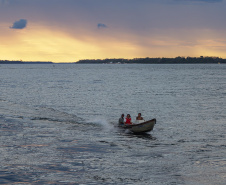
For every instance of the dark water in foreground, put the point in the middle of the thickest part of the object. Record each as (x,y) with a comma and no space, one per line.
(57,124)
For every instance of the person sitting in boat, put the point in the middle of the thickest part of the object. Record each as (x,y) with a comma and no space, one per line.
(128,119)
(121,120)
(139,117)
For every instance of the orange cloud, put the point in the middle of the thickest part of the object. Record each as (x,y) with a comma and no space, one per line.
(40,43)
(43,45)
(46,45)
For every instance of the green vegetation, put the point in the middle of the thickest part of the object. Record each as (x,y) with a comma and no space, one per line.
(21,62)
(177,60)
(10,62)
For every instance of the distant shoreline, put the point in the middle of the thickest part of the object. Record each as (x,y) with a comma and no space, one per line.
(23,62)
(177,60)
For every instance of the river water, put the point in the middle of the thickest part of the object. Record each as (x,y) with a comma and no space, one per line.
(58,124)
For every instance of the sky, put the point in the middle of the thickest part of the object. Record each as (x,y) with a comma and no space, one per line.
(71,30)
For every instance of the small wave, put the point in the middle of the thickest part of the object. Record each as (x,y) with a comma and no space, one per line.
(46,119)
(42,113)
(53,115)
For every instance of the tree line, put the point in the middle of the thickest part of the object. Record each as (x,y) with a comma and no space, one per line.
(177,60)
(21,62)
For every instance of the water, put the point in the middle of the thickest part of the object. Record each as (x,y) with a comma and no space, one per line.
(57,124)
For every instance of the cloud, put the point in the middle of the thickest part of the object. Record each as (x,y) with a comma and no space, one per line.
(4,2)
(21,24)
(210,1)
(101,25)
(207,1)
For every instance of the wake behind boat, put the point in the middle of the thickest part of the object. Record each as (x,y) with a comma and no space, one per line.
(141,126)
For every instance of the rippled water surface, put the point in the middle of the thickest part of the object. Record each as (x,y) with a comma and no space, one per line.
(58,124)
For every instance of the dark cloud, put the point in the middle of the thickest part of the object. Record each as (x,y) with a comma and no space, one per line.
(101,25)
(21,24)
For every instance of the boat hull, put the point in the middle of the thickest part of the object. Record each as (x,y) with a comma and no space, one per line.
(146,126)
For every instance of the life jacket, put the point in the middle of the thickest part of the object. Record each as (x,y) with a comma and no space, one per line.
(128,121)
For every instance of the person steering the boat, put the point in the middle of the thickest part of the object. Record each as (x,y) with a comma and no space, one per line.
(121,120)
(128,119)
(139,117)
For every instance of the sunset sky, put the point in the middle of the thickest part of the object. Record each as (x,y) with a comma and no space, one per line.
(70,30)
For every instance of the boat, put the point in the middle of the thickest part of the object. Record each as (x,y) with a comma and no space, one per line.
(140,126)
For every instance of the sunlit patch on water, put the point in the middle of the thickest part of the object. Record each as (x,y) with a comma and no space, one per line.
(33,145)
